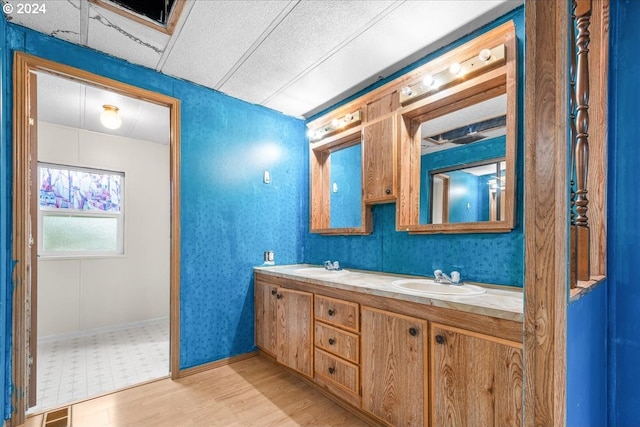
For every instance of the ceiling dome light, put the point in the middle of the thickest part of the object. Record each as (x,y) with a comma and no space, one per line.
(110,118)
(455,68)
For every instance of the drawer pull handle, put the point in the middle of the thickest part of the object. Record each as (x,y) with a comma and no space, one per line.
(332,341)
(413,332)
(331,312)
(331,370)
(388,191)
(440,339)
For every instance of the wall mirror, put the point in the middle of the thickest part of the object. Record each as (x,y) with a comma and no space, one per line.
(337,205)
(458,144)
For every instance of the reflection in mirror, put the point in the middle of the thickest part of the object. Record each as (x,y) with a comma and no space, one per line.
(468,194)
(462,160)
(346,187)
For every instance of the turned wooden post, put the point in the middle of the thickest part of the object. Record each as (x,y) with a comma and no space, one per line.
(583,19)
(572,138)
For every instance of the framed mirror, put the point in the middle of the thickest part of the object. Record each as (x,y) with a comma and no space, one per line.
(337,205)
(458,146)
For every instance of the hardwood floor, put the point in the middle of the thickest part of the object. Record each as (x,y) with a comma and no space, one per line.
(253,392)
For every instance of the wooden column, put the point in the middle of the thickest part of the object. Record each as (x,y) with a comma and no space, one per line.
(547,204)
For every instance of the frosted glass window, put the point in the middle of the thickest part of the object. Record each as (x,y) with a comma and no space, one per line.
(79,233)
(81,211)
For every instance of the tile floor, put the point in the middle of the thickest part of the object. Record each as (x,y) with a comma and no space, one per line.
(71,369)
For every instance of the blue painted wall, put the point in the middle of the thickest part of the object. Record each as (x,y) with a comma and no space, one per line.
(587,360)
(622,214)
(493,258)
(228,216)
(346,173)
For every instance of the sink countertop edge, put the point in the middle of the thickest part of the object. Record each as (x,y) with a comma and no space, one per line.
(498,301)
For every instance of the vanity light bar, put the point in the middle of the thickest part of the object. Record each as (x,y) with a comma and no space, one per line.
(487,58)
(345,121)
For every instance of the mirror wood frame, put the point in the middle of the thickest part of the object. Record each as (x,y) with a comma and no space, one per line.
(320,166)
(478,88)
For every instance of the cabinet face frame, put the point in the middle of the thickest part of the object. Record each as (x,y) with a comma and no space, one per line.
(320,184)
(477,88)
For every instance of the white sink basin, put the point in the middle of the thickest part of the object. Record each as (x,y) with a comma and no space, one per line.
(429,287)
(320,271)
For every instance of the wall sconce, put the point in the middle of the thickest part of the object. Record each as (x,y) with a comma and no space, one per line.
(348,120)
(486,59)
(110,118)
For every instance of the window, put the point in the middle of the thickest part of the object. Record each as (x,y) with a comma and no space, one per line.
(80,211)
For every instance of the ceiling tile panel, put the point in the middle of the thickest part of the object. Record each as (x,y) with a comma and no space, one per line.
(309,34)
(59,100)
(60,19)
(216,35)
(125,38)
(408,33)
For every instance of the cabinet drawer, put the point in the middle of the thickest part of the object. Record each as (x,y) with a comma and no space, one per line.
(337,312)
(337,371)
(338,342)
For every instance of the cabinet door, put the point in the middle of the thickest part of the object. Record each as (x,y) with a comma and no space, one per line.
(266,310)
(379,170)
(295,335)
(477,379)
(393,367)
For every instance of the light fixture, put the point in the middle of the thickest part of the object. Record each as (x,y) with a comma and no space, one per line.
(428,80)
(484,55)
(110,118)
(348,120)
(455,68)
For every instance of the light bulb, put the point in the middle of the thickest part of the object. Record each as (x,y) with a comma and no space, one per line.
(110,118)
(455,68)
(428,80)
(335,123)
(484,55)
(311,134)
(406,91)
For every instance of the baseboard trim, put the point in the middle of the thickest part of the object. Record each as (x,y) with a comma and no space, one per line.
(218,363)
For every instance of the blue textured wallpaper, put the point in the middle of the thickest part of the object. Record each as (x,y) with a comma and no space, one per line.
(587,360)
(228,215)
(493,258)
(623,206)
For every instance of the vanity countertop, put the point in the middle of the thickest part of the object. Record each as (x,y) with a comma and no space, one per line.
(501,302)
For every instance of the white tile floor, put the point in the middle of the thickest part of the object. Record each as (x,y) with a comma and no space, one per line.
(71,369)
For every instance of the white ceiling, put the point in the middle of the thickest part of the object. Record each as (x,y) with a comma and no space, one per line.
(297,57)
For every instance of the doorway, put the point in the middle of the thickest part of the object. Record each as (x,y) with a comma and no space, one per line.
(28,224)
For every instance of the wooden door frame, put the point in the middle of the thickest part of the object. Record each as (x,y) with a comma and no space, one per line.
(23,65)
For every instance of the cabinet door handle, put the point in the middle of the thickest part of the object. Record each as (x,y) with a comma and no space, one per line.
(331,312)
(440,339)
(279,296)
(273,292)
(332,341)
(331,370)
(413,332)
(388,191)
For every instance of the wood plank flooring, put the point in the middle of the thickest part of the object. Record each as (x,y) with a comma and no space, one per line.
(253,392)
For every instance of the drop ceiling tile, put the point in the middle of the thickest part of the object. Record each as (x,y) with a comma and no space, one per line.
(60,19)
(122,37)
(151,124)
(309,35)
(408,33)
(59,100)
(216,35)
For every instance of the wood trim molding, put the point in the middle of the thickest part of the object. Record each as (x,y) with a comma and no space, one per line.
(546,222)
(24,65)
(218,363)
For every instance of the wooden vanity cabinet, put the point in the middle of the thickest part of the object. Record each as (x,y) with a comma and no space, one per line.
(284,325)
(379,150)
(476,379)
(394,354)
(337,347)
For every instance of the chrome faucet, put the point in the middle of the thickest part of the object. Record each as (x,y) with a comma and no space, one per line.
(328,265)
(440,277)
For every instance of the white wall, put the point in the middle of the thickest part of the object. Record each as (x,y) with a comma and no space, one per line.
(80,294)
